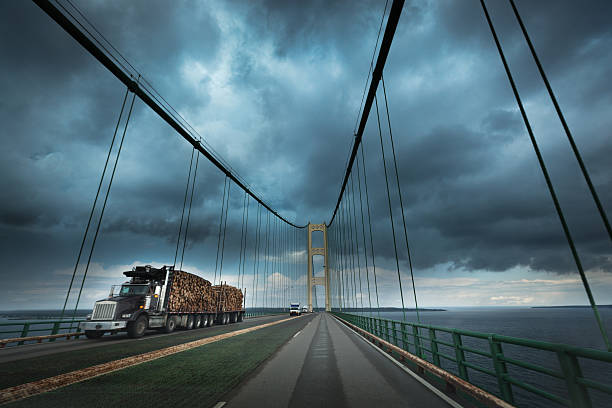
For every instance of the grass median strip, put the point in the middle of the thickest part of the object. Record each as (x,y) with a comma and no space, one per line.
(48,384)
(39,367)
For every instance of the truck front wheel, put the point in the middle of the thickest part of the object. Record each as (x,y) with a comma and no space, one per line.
(137,328)
(93,334)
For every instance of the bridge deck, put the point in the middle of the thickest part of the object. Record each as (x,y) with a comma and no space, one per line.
(326,364)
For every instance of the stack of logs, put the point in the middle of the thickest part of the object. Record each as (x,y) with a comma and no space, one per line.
(190,293)
(229,297)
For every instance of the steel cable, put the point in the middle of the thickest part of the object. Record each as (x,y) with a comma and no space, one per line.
(382,148)
(220,226)
(566,128)
(93,207)
(399,192)
(110,183)
(195,174)
(551,189)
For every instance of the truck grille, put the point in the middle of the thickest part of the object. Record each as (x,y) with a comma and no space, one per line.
(104,310)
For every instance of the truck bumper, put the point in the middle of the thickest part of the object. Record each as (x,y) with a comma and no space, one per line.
(103,325)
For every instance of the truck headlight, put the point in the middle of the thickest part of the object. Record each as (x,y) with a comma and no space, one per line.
(88,317)
(126,315)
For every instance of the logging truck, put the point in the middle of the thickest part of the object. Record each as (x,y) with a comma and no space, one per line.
(164,299)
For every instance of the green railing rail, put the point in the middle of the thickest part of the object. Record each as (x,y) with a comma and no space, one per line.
(34,328)
(447,349)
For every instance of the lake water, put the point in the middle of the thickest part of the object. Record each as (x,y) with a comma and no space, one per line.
(573,326)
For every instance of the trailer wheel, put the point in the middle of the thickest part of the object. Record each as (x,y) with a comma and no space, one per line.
(137,328)
(93,334)
(233,317)
(170,325)
(205,320)
(189,324)
(197,321)
(211,320)
(240,316)
(225,318)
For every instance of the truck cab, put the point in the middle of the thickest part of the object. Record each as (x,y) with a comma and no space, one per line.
(132,306)
(294,309)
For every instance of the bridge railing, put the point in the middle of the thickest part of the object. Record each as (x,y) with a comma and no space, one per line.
(256,313)
(37,328)
(503,365)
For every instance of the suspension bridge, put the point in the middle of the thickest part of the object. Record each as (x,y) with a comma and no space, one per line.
(343,352)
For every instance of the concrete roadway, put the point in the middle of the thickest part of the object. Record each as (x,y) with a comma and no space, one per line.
(328,365)
(13,353)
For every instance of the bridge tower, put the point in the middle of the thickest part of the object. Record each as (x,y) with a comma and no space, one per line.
(318,280)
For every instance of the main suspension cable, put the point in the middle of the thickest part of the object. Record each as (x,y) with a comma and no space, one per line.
(551,189)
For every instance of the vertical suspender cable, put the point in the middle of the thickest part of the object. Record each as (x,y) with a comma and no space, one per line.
(110,183)
(551,189)
(267,258)
(356,238)
(568,133)
(93,207)
(256,258)
(382,148)
(351,242)
(195,174)
(399,192)
(365,183)
(178,238)
(365,247)
(229,189)
(246,237)
(219,233)
(241,240)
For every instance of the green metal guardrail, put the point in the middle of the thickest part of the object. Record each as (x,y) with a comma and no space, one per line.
(250,314)
(425,341)
(25,328)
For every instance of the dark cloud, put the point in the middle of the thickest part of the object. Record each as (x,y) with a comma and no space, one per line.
(275,88)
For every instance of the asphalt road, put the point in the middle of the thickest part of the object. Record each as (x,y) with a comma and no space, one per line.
(59,346)
(328,365)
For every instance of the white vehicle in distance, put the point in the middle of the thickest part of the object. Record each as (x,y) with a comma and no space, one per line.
(294,310)
(305,309)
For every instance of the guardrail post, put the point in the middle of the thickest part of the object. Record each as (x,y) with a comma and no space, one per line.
(434,347)
(404,337)
(55,330)
(460,356)
(393,328)
(501,370)
(578,393)
(387,334)
(417,342)
(24,332)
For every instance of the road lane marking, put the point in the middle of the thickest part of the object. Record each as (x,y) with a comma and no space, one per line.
(296,334)
(48,384)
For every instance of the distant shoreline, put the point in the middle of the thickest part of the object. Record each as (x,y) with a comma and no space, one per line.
(572,307)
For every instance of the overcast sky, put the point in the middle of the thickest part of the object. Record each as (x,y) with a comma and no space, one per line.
(275,88)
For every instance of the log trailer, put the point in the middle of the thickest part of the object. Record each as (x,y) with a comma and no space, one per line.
(142,303)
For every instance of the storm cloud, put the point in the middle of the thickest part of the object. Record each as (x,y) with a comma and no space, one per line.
(274,88)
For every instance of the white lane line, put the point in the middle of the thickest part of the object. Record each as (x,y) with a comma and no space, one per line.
(219,404)
(296,334)
(427,385)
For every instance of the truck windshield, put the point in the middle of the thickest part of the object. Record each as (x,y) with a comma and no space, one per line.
(131,290)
